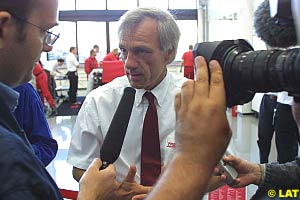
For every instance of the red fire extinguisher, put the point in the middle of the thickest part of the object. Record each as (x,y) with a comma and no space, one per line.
(234,111)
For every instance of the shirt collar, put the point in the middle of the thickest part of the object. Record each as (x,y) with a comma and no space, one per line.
(9,96)
(160,91)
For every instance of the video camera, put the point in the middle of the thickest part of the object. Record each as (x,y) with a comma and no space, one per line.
(246,71)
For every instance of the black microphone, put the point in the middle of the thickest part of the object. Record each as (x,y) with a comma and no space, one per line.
(277,31)
(114,138)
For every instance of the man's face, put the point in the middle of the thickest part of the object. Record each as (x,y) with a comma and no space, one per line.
(115,52)
(145,62)
(96,49)
(74,51)
(19,57)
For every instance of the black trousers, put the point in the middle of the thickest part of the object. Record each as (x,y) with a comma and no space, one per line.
(51,84)
(73,79)
(286,133)
(266,126)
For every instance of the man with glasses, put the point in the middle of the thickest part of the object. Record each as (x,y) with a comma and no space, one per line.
(23,175)
(49,38)
(24,32)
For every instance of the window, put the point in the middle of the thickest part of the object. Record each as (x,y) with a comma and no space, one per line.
(188,29)
(183,4)
(113,35)
(154,3)
(89,34)
(90,4)
(121,4)
(224,9)
(66,5)
(66,40)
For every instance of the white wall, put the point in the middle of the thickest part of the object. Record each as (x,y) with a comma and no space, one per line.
(230,19)
(233,19)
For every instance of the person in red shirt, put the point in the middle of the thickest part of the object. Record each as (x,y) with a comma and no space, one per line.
(114,55)
(41,79)
(91,62)
(188,63)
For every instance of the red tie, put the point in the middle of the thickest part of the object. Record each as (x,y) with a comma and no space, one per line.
(150,154)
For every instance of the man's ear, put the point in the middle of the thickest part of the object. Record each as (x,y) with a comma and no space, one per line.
(169,55)
(5,22)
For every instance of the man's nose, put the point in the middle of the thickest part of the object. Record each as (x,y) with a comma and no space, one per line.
(47,48)
(130,61)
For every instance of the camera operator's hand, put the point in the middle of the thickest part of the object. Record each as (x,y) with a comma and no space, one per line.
(216,181)
(249,173)
(202,135)
(202,131)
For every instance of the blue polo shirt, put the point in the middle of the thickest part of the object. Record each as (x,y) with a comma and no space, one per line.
(30,116)
(22,174)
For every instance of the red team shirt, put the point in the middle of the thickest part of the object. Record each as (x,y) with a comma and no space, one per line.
(110,57)
(89,64)
(188,60)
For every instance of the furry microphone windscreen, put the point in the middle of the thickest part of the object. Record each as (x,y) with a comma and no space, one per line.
(273,31)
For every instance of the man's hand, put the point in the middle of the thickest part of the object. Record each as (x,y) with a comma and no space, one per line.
(202,129)
(96,184)
(202,135)
(248,173)
(129,188)
(216,181)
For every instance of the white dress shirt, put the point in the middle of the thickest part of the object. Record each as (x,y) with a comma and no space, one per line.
(71,62)
(284,98)
(52,66)
(97,112)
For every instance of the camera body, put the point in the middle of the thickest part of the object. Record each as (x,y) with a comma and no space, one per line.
(246,71)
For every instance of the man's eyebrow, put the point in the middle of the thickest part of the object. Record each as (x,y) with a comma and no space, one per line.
(142,48)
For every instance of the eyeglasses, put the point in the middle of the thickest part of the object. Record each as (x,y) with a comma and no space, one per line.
(49,38)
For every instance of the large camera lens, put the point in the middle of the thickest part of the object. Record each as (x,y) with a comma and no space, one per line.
(246,71)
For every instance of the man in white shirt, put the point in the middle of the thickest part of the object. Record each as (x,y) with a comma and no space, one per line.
(99,55)
(51,69)
(146,51)
(72,66)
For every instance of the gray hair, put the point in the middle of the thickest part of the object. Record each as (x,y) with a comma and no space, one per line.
(168,30)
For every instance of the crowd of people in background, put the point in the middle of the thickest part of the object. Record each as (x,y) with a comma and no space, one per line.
(45,77)
(46,73)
